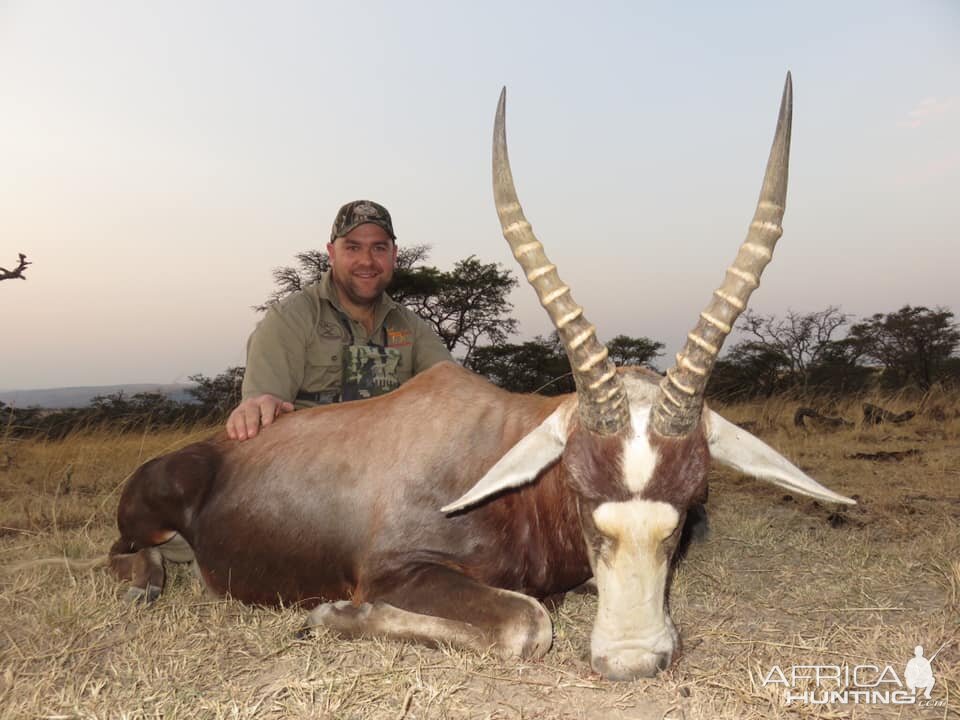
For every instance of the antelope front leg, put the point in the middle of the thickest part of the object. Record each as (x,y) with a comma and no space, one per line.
(439,605)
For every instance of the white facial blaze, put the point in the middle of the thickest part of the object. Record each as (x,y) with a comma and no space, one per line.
(632,626)
(639,457)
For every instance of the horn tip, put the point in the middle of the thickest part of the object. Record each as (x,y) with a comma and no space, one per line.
(499,121)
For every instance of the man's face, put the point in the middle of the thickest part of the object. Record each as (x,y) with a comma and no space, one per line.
(362,263)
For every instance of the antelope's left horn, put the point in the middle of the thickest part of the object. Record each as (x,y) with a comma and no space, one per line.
(603,401)
(680,401)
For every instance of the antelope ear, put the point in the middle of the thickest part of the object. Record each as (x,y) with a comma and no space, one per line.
(522,463)
(736,448)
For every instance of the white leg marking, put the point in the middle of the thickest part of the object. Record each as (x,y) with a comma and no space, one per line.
(176,549)
(511,640)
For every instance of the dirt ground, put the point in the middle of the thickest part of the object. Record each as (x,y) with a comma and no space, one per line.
(783,588)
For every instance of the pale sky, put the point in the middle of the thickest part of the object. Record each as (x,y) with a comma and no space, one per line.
(158,159)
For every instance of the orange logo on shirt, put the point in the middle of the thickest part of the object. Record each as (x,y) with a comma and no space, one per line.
(399,338)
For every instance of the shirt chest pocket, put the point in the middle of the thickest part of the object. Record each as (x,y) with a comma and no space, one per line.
(322,367)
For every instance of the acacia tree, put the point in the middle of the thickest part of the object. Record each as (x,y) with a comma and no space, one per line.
(466,306)
(626,350)
(794,344)
(541,365)
(17,272)
(538,365)
(840,368)
(749,369)
(913,344)
(218,395)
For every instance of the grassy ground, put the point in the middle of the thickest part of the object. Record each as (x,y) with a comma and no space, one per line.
(781,581)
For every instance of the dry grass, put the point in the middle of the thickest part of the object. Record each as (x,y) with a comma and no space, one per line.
(782,581)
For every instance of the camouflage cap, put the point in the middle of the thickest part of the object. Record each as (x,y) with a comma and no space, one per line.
(358,212)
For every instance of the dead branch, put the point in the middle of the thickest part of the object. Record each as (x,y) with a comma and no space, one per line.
(18,273)
(887,456)
(875,415)
(818,420)
(809,418)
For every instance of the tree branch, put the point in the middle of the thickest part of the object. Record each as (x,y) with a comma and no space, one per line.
(18,273)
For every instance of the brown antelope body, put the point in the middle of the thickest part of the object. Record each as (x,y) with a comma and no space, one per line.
(441,511)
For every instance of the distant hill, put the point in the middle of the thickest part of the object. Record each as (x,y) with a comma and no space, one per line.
(78,397)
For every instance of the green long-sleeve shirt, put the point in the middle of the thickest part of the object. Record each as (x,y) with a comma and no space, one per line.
(297,346)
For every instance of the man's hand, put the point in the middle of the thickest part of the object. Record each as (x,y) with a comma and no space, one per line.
(245,420)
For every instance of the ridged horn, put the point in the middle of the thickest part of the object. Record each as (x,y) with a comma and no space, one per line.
(603,401)
(680,402)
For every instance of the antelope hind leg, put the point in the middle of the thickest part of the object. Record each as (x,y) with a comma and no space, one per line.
(440,605)
(144,570)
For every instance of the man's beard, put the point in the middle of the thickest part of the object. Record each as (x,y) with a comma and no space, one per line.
(352,292)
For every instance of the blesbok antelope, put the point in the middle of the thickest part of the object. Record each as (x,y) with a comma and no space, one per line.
(339,508)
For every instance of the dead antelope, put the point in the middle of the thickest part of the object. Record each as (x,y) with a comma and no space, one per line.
(339,508)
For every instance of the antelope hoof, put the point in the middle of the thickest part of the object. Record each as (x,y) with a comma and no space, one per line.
(148,596)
